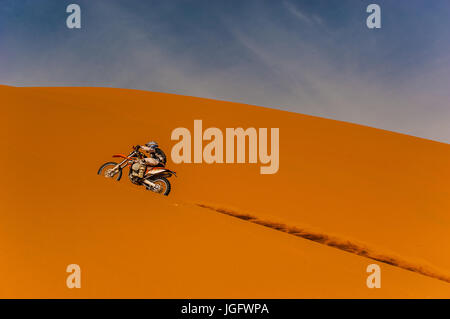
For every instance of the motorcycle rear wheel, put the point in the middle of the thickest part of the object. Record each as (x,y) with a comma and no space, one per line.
(164,186)
(106,171)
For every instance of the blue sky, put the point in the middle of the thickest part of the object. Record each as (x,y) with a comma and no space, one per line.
(314,57)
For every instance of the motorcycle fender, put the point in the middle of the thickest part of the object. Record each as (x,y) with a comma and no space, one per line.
(163,172)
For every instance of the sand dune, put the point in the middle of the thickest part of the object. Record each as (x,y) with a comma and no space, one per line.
(386,190)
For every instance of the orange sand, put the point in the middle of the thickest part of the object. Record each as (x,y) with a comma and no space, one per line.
(386,191)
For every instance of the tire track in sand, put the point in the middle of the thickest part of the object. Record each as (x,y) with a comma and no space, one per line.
(336,242)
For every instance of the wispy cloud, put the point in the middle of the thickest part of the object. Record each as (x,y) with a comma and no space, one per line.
(309,19)
(282,55)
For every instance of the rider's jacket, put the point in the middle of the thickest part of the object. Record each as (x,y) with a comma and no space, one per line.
(151,160)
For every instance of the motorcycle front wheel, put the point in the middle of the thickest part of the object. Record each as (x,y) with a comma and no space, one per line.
(107,170)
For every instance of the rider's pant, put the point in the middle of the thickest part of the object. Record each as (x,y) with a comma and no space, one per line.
(147,161)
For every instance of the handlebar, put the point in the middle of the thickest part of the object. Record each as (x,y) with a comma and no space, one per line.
(136,152)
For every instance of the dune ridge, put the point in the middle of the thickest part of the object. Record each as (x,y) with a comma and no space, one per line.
(353,247)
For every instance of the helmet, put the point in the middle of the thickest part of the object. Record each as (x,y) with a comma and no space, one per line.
(152,145)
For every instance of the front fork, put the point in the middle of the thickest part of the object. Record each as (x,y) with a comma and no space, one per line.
(116,169)
(121,165)
(125,161)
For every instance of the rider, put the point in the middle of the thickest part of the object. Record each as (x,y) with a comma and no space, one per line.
(150,148)
(153,158)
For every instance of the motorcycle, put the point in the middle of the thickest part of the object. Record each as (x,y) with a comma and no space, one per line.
(154,178)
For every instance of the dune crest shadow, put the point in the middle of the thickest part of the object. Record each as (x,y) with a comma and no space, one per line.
(336,242)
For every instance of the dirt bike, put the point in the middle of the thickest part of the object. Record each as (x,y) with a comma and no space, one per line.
(154,178)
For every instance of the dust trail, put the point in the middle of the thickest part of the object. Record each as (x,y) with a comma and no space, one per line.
(336,242)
